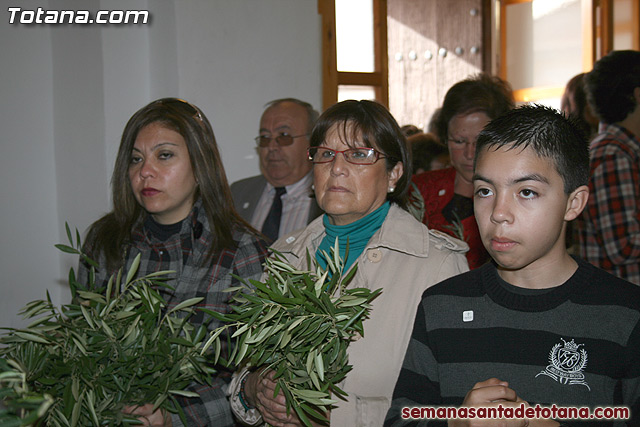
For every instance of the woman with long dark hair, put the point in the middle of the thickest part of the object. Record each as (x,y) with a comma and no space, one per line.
(172,205)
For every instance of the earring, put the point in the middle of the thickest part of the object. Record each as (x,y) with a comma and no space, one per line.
(313,187)
(391,189)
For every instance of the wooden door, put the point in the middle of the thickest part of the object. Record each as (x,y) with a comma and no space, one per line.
(433,44)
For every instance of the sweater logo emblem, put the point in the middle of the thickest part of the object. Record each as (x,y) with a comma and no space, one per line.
(566,364)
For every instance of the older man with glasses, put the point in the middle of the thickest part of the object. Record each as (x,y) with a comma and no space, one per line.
(280,199)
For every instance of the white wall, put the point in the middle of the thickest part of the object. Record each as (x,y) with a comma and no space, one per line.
(28,191)
(235,58)
(67,91)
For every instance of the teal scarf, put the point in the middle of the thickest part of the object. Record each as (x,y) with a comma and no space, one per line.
(358,233)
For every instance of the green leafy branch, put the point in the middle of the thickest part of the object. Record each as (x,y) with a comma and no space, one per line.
(299,324)
(109,348)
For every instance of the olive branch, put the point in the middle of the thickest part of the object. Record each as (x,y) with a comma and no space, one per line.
(80,364)
(299,324)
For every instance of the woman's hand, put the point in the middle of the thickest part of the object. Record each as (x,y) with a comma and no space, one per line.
(148,417)
(259,391)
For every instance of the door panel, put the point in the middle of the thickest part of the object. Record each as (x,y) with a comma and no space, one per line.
(419,34)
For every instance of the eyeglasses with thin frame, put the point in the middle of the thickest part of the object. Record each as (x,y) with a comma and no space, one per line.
(356,156)
(283,139)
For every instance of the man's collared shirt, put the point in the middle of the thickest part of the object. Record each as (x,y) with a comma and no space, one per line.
(296,204)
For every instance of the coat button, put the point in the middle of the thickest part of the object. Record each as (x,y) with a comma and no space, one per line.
(374,255)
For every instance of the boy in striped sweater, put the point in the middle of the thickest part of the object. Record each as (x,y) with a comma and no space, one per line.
(536,326)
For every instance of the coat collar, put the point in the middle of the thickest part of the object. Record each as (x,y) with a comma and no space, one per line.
(400,232)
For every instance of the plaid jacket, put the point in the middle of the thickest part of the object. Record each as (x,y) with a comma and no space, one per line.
(183,252)
(609,227)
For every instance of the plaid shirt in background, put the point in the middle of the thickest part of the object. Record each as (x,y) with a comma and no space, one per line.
(183,252)
(609,227)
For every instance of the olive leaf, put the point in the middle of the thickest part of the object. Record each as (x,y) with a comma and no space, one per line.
(81,363)
(299,324)
(19,406)
(456,227)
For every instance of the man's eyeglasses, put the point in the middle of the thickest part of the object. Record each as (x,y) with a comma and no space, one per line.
(283,139)
(357,156)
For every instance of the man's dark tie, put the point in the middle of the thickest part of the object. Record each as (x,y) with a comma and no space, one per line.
(271,225)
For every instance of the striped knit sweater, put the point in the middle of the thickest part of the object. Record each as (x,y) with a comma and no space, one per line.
(576,344)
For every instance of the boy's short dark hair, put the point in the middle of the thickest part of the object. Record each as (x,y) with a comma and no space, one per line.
(547,132)
(611,83)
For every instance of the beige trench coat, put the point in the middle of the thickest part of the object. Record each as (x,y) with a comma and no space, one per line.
(403,258)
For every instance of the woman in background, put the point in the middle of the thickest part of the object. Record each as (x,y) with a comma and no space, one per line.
(447,194)
(172,205)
